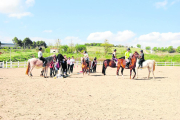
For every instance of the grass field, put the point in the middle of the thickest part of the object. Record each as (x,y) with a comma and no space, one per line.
(93,51)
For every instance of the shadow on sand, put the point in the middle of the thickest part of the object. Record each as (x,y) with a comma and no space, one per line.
(150,78)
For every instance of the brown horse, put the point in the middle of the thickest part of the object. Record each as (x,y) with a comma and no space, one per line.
(132,66)
(34,62)
(107,63)
(84,66)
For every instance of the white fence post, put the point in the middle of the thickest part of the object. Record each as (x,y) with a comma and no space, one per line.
(165,63)
(3,65)
(173,63)
(24,63)
(18,64)
(6,64)
(11,64)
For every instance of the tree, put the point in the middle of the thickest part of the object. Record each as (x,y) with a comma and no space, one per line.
(138,45)
(41,43)
(80,47)
(58,44)
(162,49)
(159,49)
(148,48)
(27,42)
(34,44)
(71,45)
(178,49)
(155,48)
(106,46)
(65,47)
(170,49)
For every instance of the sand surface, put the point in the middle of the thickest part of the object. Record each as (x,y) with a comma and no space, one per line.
(93,97)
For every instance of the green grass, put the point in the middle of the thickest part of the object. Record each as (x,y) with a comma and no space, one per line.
(93,51)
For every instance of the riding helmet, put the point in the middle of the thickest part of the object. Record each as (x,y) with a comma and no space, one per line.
(95,58)
(40,48)
(114,49)
(128,49)
(141,50)
(85,52)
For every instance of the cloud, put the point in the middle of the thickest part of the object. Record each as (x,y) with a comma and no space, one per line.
(159,39)
(113,38)
(20,15)
(30,2)
(47,31)
(16,8)
(175,1)
(161,4)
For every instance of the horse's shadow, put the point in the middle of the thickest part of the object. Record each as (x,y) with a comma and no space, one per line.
(150,78)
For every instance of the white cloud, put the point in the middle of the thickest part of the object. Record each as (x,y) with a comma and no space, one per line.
(159,39)
(30,2)
(175,1)
(161,4)
(20,15)
(16,8)
(47,31)
(123,36)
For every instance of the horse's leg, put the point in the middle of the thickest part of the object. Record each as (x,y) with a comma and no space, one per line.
(137,72)
(130,72)
(31,68)
(117,73)
(122,69)
(89,72)
(153,73)
(149,73)
(134,73)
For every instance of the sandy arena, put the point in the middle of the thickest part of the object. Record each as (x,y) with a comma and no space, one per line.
(94,97)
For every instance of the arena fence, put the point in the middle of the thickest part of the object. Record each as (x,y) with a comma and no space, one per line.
(18,64)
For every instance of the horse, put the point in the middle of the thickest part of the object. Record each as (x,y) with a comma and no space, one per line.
(62,64)
(150,64)
(122,63)
(35,62)
(106,63)
(84,66)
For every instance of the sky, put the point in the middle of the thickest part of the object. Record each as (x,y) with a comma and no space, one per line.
(154,23)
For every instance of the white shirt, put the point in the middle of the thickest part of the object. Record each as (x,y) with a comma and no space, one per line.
(86,56)
(39,54)
(72,61)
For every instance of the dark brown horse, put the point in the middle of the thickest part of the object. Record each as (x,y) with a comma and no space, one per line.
(107,63)
(85,67)
(122,63)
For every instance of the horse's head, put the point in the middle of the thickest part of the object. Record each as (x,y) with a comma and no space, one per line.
(136,55)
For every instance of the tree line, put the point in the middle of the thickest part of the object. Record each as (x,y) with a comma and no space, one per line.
(28,43)
(169,49)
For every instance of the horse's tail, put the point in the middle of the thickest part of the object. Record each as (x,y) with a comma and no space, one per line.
(28,66)
(103,68)
(154,65)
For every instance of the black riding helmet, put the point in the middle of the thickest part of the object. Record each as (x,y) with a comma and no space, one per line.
(95,58)
(40,48)
(128,49)
(141,50)
(114,49)
(85,51)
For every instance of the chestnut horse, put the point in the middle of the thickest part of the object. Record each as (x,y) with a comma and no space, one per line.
(107,63)
(35,62)
(84,66)
(132,66)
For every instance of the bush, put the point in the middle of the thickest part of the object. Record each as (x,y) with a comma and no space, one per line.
(148,48)
(47,50)
(80,47)
(170,49)
(178,49)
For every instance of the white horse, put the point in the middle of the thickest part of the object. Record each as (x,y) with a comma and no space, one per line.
(150,64)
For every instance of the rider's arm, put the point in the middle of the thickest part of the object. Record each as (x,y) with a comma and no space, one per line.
(80,52)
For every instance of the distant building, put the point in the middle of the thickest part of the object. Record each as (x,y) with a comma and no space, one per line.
(7,44)
(54,50)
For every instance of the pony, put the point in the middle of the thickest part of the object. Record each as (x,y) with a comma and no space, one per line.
(122,63)
(62,65)
(150,64)
(106,63)
(84,66)
(35,62)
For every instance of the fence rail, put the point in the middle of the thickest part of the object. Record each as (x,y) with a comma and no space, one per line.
(18,64)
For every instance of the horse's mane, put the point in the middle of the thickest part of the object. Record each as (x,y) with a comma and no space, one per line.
(59,57)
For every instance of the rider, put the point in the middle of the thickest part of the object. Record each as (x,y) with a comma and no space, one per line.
(127,55)
(40,56)
(114,56)
(141,59)
(94,64)
(86,57)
